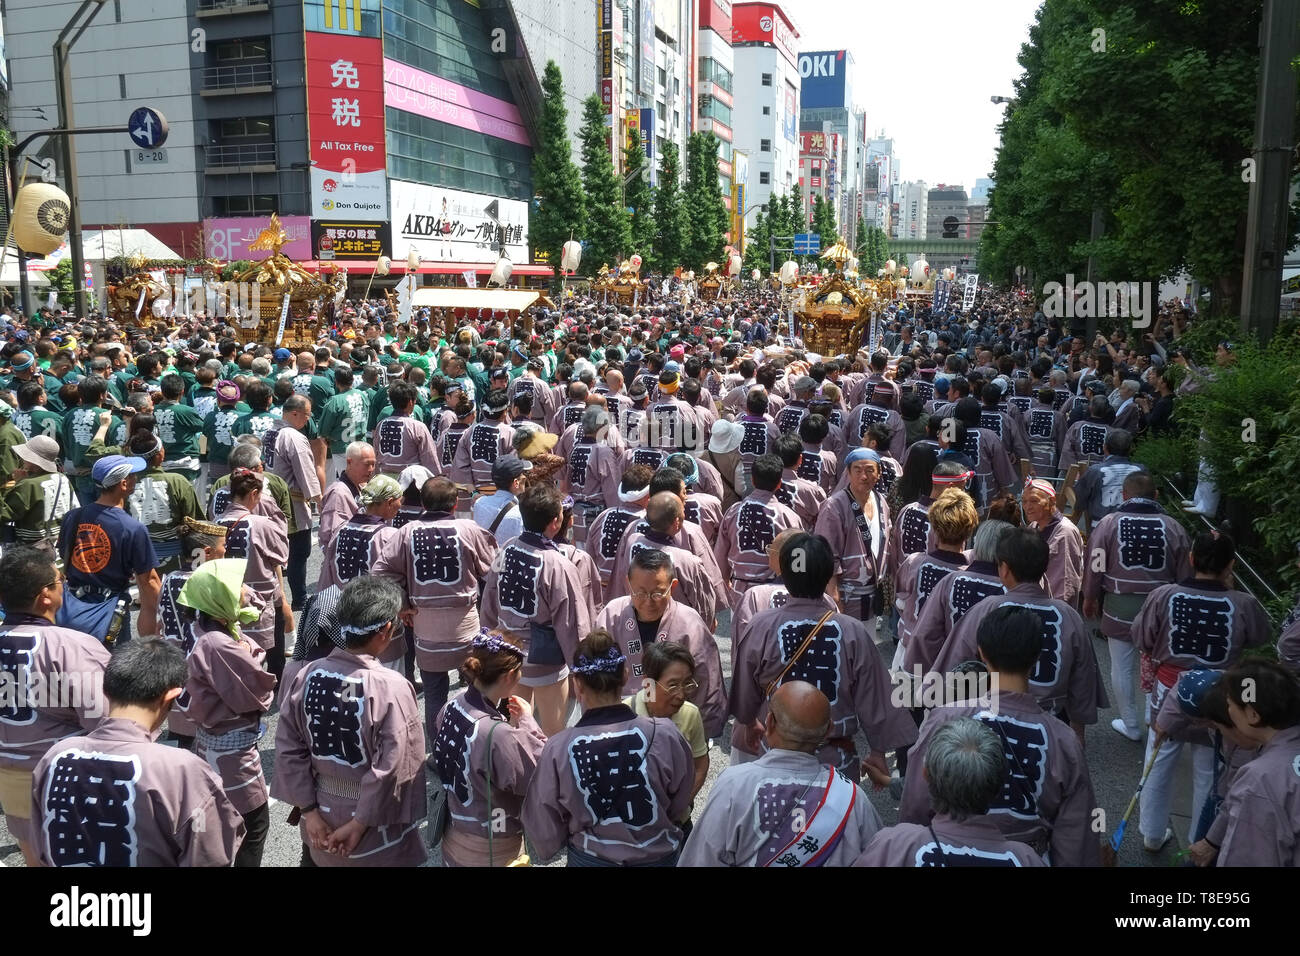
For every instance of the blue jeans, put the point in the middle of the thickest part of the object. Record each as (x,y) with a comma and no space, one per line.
(299,552)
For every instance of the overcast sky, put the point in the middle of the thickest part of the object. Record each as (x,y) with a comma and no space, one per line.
(924,72)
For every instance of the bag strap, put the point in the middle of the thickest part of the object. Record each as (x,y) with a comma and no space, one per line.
(501,516)
(794,658)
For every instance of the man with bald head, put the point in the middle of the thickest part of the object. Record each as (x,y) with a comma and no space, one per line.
(787,808)
(319,388)
(570,413)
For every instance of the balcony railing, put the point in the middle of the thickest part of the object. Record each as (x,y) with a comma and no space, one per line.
(237,76)
(232,6)
(251,154)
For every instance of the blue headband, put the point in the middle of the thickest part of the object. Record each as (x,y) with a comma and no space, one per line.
(611,663)
(19,366)
(861,454)
(485,640)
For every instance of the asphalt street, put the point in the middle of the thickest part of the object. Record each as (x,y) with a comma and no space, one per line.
(1114,763)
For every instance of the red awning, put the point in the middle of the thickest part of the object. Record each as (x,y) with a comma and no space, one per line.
(364,266)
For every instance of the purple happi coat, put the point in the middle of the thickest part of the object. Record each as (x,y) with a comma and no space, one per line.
(350,740)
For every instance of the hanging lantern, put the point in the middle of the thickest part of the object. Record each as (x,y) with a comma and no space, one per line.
(501,272)
(412,260)
(755,275)
(733,266)
(571,255)
(902,271)
(635,263)
(789,271)
(382,265)
(40,218)
(890,267)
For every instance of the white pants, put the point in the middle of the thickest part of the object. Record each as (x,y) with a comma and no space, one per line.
(337,465)
(1157,795)
(1123,663)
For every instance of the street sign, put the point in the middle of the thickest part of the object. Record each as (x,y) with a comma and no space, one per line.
(147,127)
(144,157)
(807,243)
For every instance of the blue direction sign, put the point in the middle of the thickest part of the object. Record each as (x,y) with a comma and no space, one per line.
(147,127)
(807,243)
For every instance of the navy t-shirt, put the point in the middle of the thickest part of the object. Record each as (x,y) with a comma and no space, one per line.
(104,547)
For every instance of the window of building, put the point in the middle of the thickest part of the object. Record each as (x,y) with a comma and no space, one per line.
(663,77)
(677,120)
(230,51)
(765,146)
(244,205)
(677,86)
(767,111)
(766,79)
(247,127)
(764,179)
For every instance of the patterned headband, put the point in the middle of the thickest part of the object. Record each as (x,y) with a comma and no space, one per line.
(362,630)
(485,640)
(611,663)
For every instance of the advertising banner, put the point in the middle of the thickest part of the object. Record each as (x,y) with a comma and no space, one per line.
(228,239)
(447,225)
(345,116)
(333,239)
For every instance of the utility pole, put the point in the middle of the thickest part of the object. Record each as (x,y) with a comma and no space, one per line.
(1266,217)
(63,90)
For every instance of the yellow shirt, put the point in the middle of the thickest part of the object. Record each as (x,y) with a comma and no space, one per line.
(687,720)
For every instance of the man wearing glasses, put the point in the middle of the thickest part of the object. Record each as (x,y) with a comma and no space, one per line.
(649,614)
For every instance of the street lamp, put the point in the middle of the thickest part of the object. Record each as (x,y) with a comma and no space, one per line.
(995,100)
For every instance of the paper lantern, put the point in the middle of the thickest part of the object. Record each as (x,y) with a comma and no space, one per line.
(755,275)
(40,218)
(635,263)
(902,271)
(501,272)
(160,307)
(571,256)
(789,271)
(412,260)
(383,265)
(890,267)
(852,264)
(733,266)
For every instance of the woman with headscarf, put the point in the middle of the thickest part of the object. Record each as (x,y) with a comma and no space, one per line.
(411,482)
(534,445)
(611,787)
(264,543)
(485,750)
(229,690)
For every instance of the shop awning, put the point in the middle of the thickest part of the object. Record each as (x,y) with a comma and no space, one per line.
(500,300)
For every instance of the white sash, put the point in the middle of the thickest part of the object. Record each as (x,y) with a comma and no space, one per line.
(812,845)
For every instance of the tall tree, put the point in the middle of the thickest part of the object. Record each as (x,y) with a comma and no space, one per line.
(670,217)
(560,211)
(863,244)
(608,232)
(757,240)
(639,197)
(705,210)
(824,222)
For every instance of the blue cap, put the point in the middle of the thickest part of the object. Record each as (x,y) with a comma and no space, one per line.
(112,469)
(861,454)
(941,383)
(672,367)
(283,355)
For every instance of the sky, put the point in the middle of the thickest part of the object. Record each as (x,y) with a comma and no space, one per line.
(924,72)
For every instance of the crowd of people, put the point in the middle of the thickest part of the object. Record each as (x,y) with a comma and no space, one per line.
(531,532)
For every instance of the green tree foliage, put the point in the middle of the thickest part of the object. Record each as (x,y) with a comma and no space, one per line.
(608,232)
(670,216)
(706,213)
(560,212)
(1152,129)
(757,240)
(824,222)
(639,197)
(873,250)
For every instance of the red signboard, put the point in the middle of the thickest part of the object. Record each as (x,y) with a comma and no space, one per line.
(716,15)
(345,113)
(764,23)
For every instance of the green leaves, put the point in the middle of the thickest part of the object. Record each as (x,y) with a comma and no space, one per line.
(608,232)
(670,216)
(706,213)
(560,208)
